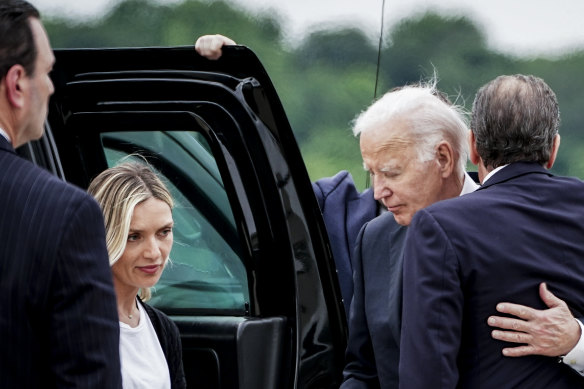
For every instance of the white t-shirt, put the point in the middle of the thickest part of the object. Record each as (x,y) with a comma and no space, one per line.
(143,363)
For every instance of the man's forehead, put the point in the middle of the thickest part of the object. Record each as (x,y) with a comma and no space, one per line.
(386,143)
(390,156)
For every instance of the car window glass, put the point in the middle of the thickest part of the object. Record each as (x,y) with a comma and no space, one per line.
(206,271)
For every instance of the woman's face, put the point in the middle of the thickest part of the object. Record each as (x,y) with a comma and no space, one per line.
(148,246)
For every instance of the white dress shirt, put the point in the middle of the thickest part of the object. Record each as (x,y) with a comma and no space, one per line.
(468,185)
(5,135)
(575,358)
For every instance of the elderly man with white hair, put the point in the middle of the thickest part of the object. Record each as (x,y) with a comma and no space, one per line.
(414,143)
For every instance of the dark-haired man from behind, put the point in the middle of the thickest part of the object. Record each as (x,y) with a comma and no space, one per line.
(58,317)
(463,256)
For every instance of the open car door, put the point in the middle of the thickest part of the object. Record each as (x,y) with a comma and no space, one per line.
(251,283)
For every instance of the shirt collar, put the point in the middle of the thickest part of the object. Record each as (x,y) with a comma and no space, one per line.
(5,135)
(468,185)
(492,173)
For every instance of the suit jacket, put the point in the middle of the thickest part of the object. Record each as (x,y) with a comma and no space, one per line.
(58,317)
(375,316)
(344,210)
(464,255)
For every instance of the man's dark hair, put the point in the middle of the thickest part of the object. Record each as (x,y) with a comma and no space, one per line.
(515,118)
(17,44)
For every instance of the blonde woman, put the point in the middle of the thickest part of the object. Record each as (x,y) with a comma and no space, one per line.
(137,209)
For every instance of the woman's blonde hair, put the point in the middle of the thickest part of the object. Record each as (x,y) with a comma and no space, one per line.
(118,190)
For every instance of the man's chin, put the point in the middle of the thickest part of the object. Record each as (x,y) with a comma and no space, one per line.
(402,220)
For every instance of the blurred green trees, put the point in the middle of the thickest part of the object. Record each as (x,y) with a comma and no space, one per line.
(329,77)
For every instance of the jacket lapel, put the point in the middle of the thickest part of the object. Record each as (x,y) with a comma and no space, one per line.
(396,240)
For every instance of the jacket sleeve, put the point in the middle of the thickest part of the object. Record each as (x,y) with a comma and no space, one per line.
(84,328)
(432,308)
(319,194)
(360,371)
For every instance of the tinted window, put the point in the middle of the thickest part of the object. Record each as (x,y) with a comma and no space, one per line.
(206,271)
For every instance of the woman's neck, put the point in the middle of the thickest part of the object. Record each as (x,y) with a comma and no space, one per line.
(128,311)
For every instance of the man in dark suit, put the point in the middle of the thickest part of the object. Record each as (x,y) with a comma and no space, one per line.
(58,317)
(344,210)
(463,256)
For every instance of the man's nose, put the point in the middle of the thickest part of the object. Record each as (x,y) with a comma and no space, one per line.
(380,189)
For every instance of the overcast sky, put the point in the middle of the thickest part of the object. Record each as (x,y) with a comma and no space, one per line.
(512,26)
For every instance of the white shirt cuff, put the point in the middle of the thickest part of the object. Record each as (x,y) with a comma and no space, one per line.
(575,358)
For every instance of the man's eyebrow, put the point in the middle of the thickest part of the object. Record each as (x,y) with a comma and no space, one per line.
(388,166)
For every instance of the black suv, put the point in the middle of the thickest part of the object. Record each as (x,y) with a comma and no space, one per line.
(252,284)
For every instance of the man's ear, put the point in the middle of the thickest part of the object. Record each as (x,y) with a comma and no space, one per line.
(16,83)
(445,157)
(554,152)
(474,154)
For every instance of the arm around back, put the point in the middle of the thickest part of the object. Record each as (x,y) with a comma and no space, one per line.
(432,299)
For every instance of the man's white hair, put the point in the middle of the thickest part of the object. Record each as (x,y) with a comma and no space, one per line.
(430,115)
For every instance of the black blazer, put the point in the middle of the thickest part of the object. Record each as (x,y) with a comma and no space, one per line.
(375,316)
(463,256)
(58,317)
(344,211)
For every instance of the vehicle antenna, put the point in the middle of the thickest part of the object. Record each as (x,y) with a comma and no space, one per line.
(379,49)
(368,177)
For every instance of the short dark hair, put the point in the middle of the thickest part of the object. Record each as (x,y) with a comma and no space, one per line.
(17,44)
(515,118)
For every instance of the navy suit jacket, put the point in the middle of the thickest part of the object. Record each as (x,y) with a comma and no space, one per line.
(463,256)
(58,318)
(375,316)
(344,210)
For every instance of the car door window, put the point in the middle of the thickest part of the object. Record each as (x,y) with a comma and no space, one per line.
(206,271)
